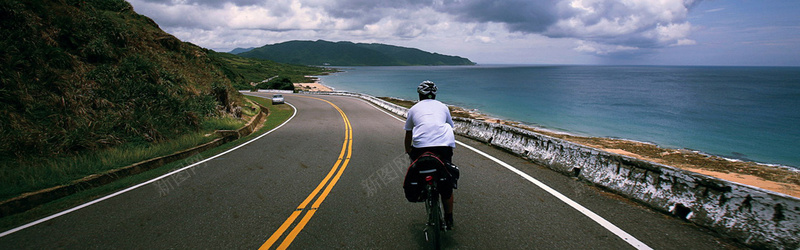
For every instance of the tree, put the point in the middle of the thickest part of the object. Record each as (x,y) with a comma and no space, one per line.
(283,84)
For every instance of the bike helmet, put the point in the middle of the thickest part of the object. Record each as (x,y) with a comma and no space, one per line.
(426,88)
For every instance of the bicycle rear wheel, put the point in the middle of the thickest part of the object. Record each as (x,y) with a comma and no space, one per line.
(435,220)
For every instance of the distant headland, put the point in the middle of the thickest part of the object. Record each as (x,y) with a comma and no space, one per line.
(325,53)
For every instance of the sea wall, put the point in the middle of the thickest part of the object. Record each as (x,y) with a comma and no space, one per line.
(758,218)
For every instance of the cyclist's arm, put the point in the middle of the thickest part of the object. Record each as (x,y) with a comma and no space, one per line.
(449,118)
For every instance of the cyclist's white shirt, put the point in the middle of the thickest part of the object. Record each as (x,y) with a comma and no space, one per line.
(431,124)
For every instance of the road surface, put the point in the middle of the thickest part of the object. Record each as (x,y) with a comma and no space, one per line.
(352,154)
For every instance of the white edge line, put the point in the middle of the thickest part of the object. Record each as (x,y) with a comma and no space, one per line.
(143,183)
(600,220)
(603,222)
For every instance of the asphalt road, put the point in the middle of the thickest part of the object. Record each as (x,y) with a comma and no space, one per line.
(240,199)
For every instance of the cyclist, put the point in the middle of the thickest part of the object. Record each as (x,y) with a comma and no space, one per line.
(429,128)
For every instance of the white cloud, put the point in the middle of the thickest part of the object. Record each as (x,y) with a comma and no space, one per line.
(602,49)
(634,23)
(605,27)
(481,39)
(683,42)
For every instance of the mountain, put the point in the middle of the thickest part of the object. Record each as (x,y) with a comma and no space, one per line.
(237,51)
(350,54)
(84,75)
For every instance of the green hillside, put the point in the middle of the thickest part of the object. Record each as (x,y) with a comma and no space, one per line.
(350,54)
(242,70)
(81,75)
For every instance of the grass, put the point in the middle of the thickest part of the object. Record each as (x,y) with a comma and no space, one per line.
(40,173)
(87,75)
(222,123)
(278,115)
(251,111)
(32,174)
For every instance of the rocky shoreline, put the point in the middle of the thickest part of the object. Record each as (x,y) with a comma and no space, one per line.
(779,179)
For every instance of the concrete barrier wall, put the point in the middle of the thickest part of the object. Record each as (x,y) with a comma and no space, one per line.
(757,217)
(273,91)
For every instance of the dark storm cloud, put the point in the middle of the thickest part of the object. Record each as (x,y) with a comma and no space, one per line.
(518,15)
(366,12)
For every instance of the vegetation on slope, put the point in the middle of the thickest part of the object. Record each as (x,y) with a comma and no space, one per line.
(90,85)
(84,75)
(243,71)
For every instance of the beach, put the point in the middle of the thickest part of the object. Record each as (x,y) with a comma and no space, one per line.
(314,86)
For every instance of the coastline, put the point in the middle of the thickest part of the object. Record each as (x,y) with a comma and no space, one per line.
(777,178)
(781,179)
(313,86)
(616,102)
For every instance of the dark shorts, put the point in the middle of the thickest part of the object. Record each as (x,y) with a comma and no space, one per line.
(445,153)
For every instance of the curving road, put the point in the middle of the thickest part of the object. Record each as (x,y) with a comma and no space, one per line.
(332,178)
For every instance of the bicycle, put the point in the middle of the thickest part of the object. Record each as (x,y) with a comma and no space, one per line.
(433,207)
(421,184)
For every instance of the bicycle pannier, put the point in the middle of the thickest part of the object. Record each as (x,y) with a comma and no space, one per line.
(428,164)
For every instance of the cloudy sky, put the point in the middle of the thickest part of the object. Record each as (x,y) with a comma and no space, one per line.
(649,32)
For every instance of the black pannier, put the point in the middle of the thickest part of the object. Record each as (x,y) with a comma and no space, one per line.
(428,164)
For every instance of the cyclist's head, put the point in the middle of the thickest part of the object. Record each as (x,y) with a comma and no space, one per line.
(426,90)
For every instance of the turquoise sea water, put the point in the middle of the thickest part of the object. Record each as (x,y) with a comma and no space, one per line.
(748,113)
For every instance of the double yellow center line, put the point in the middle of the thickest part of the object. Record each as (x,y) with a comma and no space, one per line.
(327,184)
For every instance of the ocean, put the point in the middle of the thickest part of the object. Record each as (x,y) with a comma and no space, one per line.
(745,113)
